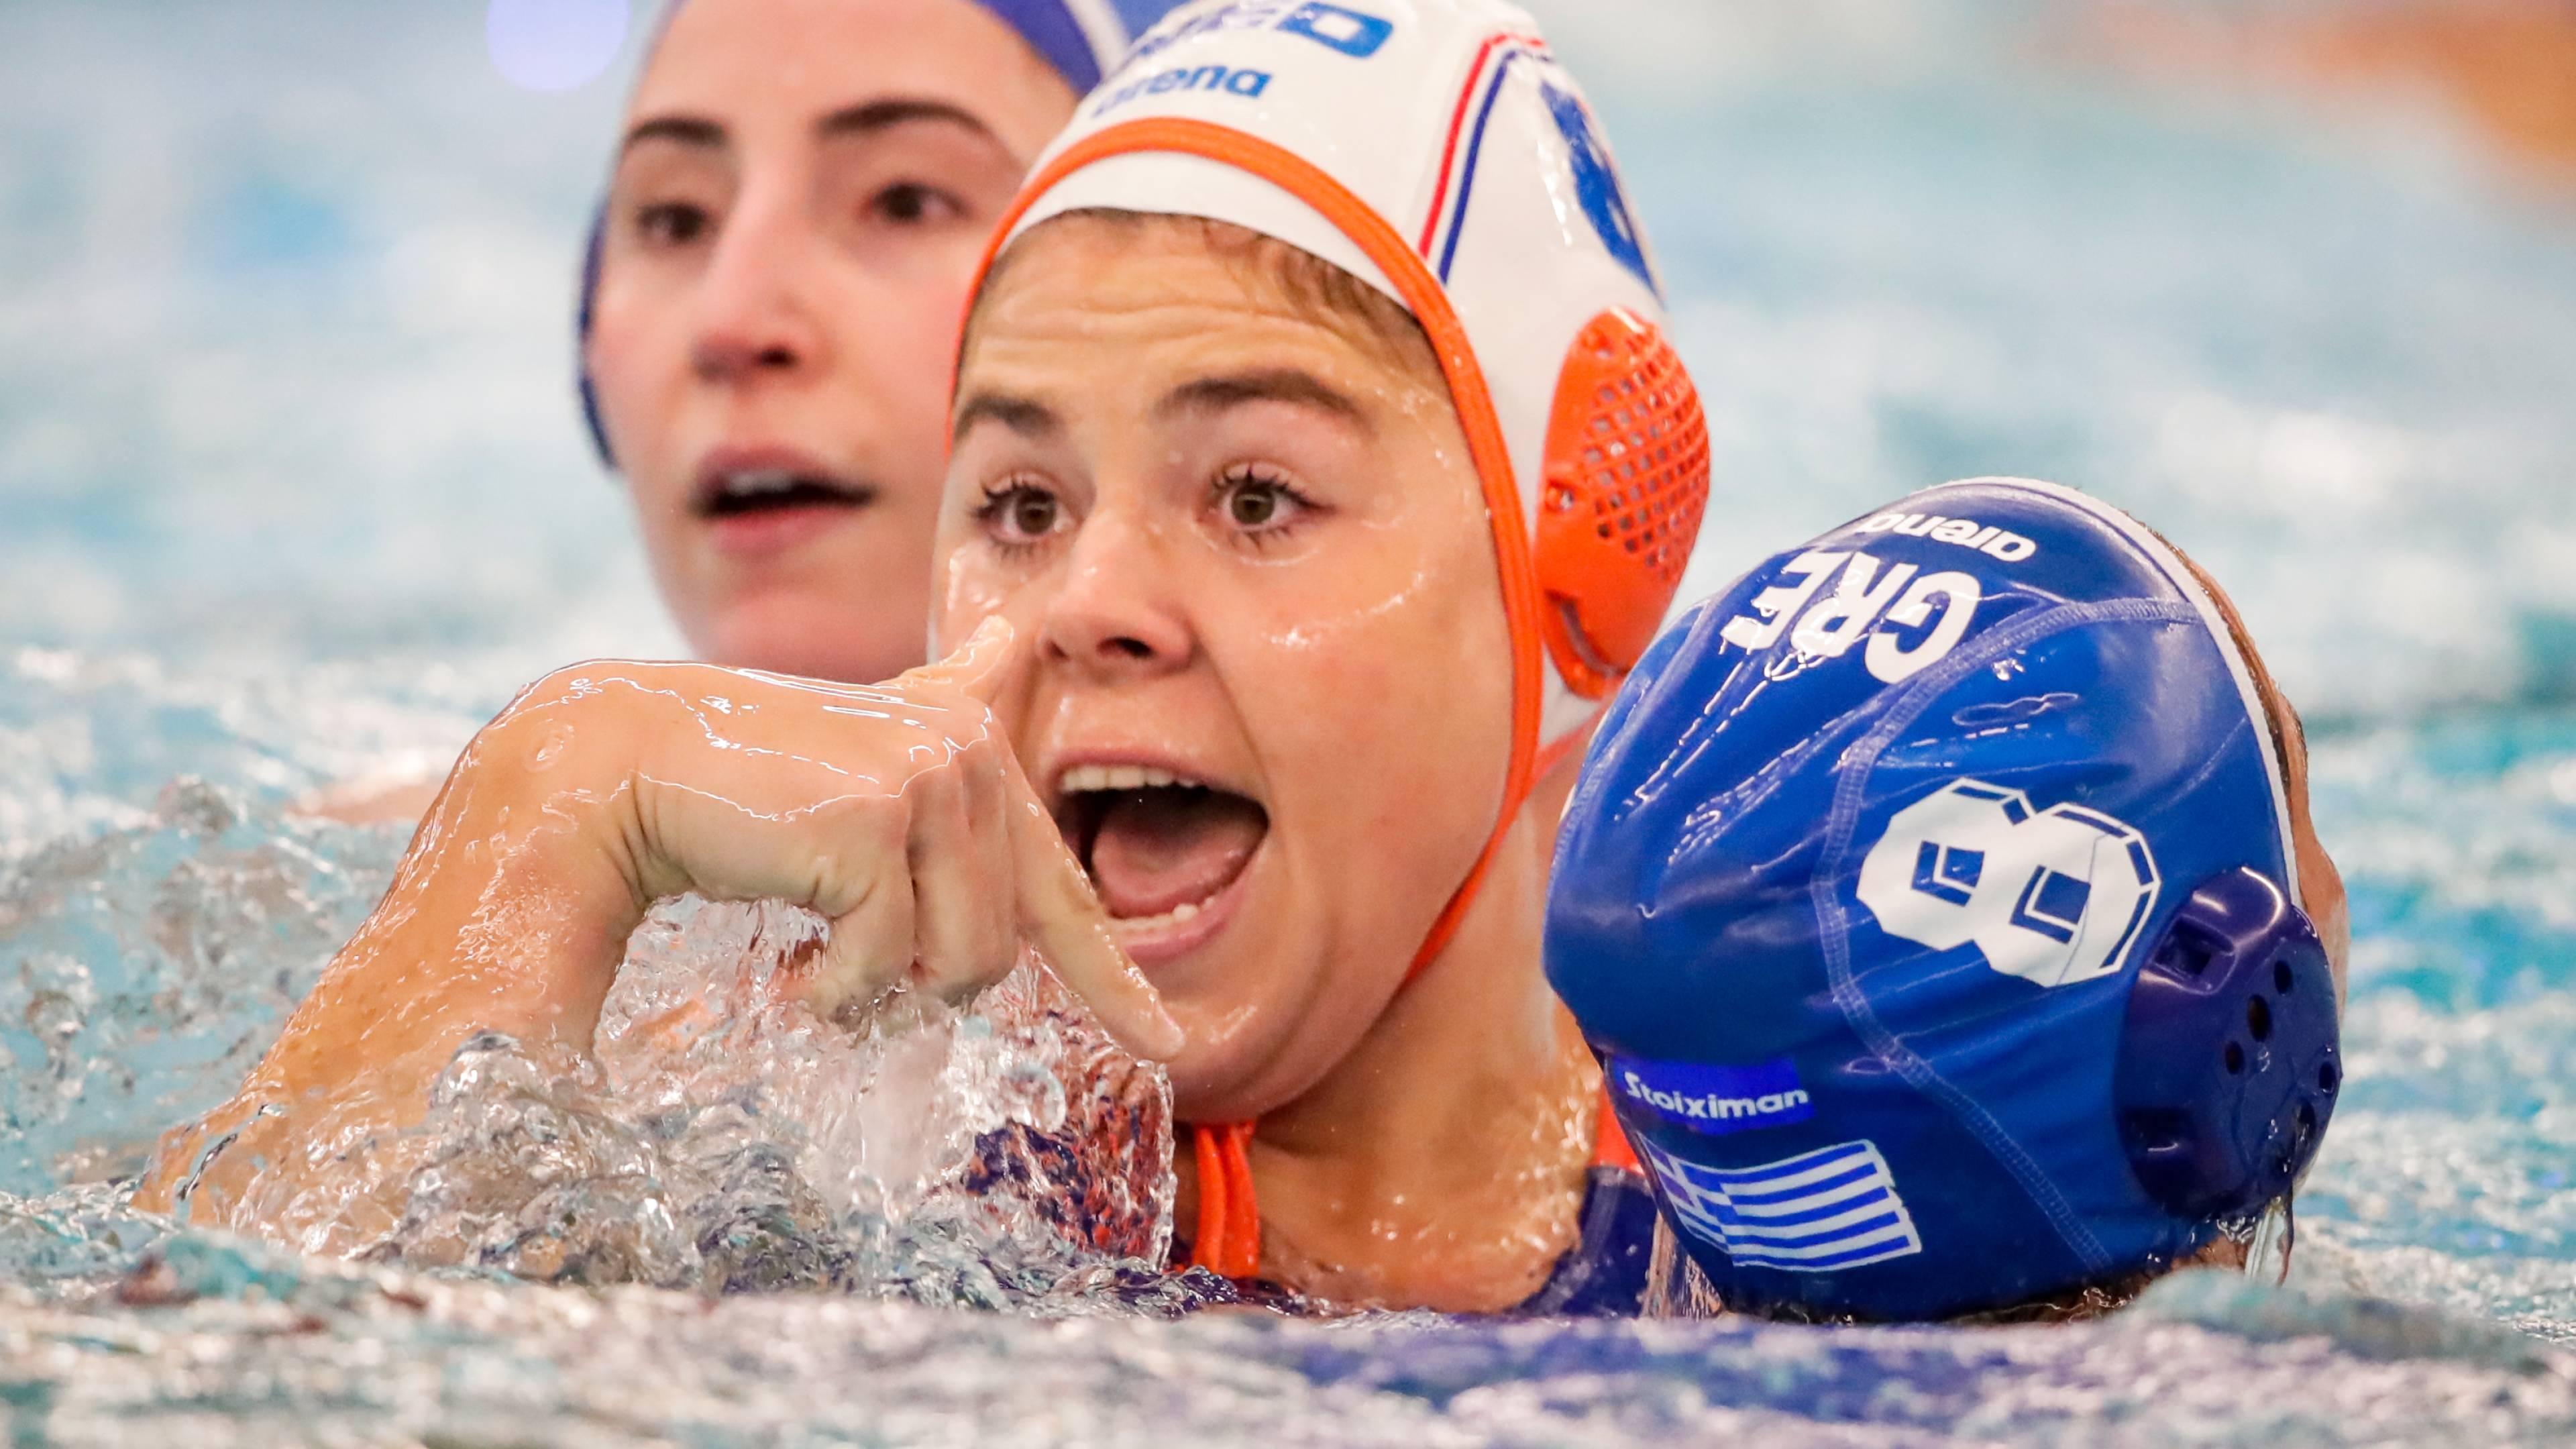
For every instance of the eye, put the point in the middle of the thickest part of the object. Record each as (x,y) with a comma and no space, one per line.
(909,203)
(672,223)
(1019,514)
(1255,501)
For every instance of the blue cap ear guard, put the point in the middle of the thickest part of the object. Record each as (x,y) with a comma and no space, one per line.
(2228,1067)
(1930,899)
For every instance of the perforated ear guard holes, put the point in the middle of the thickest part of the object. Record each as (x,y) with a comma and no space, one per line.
(2229,1067)
(1625,486)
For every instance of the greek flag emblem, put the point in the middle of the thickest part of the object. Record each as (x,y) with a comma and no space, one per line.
(1819,1211)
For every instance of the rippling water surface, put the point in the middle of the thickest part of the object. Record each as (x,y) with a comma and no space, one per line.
(291,493)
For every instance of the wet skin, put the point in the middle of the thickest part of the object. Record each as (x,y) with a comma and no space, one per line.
(1229,543)
(802,192)
(895,810)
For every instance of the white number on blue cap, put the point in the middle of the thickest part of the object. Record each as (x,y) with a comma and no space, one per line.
(2054,896)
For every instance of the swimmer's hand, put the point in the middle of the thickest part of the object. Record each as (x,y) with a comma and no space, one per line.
(897,811)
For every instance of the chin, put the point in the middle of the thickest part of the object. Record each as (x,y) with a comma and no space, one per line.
(1246,1059)
(1214,1079)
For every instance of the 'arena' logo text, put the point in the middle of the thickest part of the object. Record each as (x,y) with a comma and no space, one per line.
(1246,83)
(1965,532)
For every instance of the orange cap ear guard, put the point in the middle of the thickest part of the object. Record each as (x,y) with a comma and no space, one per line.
(1626,484)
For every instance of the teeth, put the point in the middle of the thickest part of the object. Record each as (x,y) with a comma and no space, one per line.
(1177,915)
(1083,779)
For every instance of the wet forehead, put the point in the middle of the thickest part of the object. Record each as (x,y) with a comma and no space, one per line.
(1098,311)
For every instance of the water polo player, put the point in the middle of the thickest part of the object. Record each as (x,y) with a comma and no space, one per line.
(1319,466)
(769,306)
(769,319)
(1944,905)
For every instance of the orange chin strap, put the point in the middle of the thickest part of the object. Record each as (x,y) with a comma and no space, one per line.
(1229,1236)
(1229,1233)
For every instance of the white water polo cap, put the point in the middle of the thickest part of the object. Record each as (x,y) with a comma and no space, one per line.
(1435,150)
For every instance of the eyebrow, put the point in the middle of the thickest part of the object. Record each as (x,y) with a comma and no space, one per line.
(682,130)
(867,119)
(875,116)
(1025,416)
(1241,389)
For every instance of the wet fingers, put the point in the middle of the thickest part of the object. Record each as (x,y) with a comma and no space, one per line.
(961,875)
(870,949)
(1062,917)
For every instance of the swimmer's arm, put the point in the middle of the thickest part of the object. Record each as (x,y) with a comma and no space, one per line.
(897,812)
(508,913)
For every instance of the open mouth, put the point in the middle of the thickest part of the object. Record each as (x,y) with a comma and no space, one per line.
(1161,848)
(751,492)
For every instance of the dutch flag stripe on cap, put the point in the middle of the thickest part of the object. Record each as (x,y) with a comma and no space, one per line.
(1833,1208)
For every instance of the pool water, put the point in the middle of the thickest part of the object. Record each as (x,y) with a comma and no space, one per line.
(291,492)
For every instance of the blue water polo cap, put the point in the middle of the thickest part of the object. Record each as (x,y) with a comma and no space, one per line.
(1931,901)
(1082,39)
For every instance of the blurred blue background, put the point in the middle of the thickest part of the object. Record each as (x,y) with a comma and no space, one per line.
(284,291)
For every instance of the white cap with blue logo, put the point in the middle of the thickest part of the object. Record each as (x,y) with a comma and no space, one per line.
(1436,150)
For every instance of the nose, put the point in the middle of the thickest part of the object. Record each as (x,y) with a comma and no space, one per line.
(754,318)
(1116,615)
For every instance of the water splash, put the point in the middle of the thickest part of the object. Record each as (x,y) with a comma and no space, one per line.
(229,1343)
(724,1139)
(144,970)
